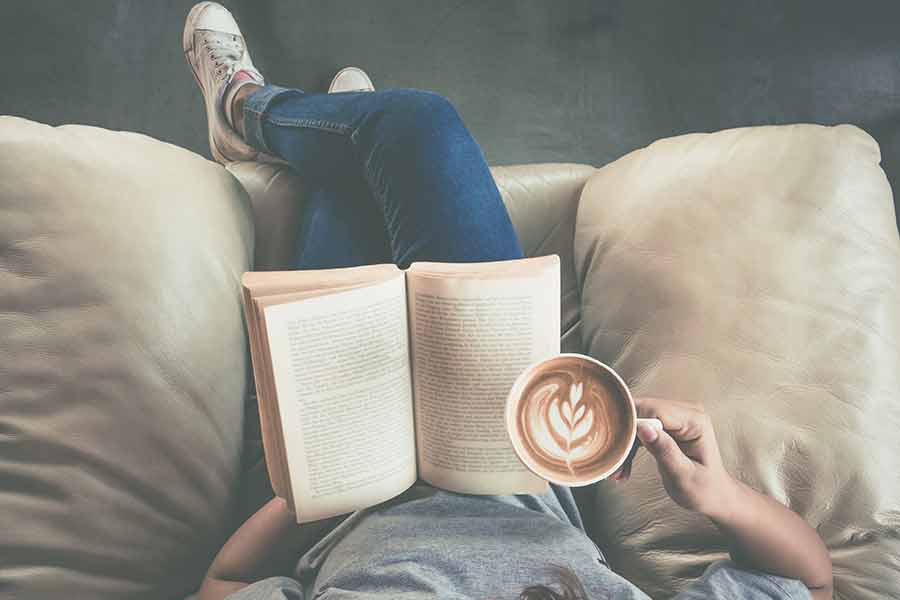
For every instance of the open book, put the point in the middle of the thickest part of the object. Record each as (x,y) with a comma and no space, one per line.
(369,377)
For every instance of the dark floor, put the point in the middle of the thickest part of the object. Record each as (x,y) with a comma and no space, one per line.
(536,80)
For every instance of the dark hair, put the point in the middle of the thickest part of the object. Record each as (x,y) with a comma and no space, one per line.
(566,586)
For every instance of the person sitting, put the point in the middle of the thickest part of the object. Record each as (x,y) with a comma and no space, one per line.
(396,176)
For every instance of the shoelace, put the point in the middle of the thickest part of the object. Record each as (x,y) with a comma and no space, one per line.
(223,47)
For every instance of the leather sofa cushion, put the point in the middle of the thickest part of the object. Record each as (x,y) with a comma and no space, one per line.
(122,362)
(754,271)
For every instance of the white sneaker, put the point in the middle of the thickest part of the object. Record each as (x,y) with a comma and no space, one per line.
(351,79)
(216,51)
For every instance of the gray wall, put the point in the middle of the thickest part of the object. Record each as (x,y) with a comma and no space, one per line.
(548,80)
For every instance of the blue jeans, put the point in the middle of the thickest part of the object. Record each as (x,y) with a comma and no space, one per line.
(395,176)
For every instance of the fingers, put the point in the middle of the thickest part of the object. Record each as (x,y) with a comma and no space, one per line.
(682,421)
(664,449)
(687,427)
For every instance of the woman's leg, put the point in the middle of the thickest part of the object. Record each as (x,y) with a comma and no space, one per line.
(423,171)
(340,227)
(400,161)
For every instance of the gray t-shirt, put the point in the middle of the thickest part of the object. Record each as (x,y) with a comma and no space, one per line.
(430,543)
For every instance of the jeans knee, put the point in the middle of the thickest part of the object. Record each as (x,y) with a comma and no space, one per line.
(418,134)
(424,103)
(421,112)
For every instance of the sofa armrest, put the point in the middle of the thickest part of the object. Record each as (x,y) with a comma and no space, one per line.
(122,362)
(277,195)
(754,271)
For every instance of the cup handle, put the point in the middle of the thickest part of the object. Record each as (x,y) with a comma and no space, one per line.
(654,423)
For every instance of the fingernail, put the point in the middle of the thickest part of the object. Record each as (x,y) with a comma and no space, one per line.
(646,432)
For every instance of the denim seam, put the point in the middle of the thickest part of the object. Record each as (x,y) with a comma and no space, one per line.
(257,106)
(318,124)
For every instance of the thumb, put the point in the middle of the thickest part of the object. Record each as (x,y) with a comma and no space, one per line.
(665,451)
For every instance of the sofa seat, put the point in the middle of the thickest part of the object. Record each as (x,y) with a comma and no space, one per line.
(752,270)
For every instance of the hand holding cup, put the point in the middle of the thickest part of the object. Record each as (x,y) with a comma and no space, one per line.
(686,453)
(572,420)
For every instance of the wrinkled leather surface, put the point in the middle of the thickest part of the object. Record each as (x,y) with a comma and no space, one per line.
(754,271)
(277,195)
(542,201)
(122,362)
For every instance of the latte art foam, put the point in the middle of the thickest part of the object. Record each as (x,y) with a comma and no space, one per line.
(571,419)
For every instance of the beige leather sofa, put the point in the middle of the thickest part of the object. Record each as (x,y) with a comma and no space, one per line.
(756,271)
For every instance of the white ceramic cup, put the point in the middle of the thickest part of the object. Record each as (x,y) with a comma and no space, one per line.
(572,419)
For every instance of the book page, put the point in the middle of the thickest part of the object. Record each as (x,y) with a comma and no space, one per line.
(314,281)
(341,370)
(471,337)
(267,288)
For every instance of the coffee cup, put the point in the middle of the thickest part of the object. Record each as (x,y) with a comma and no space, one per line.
(572,419)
